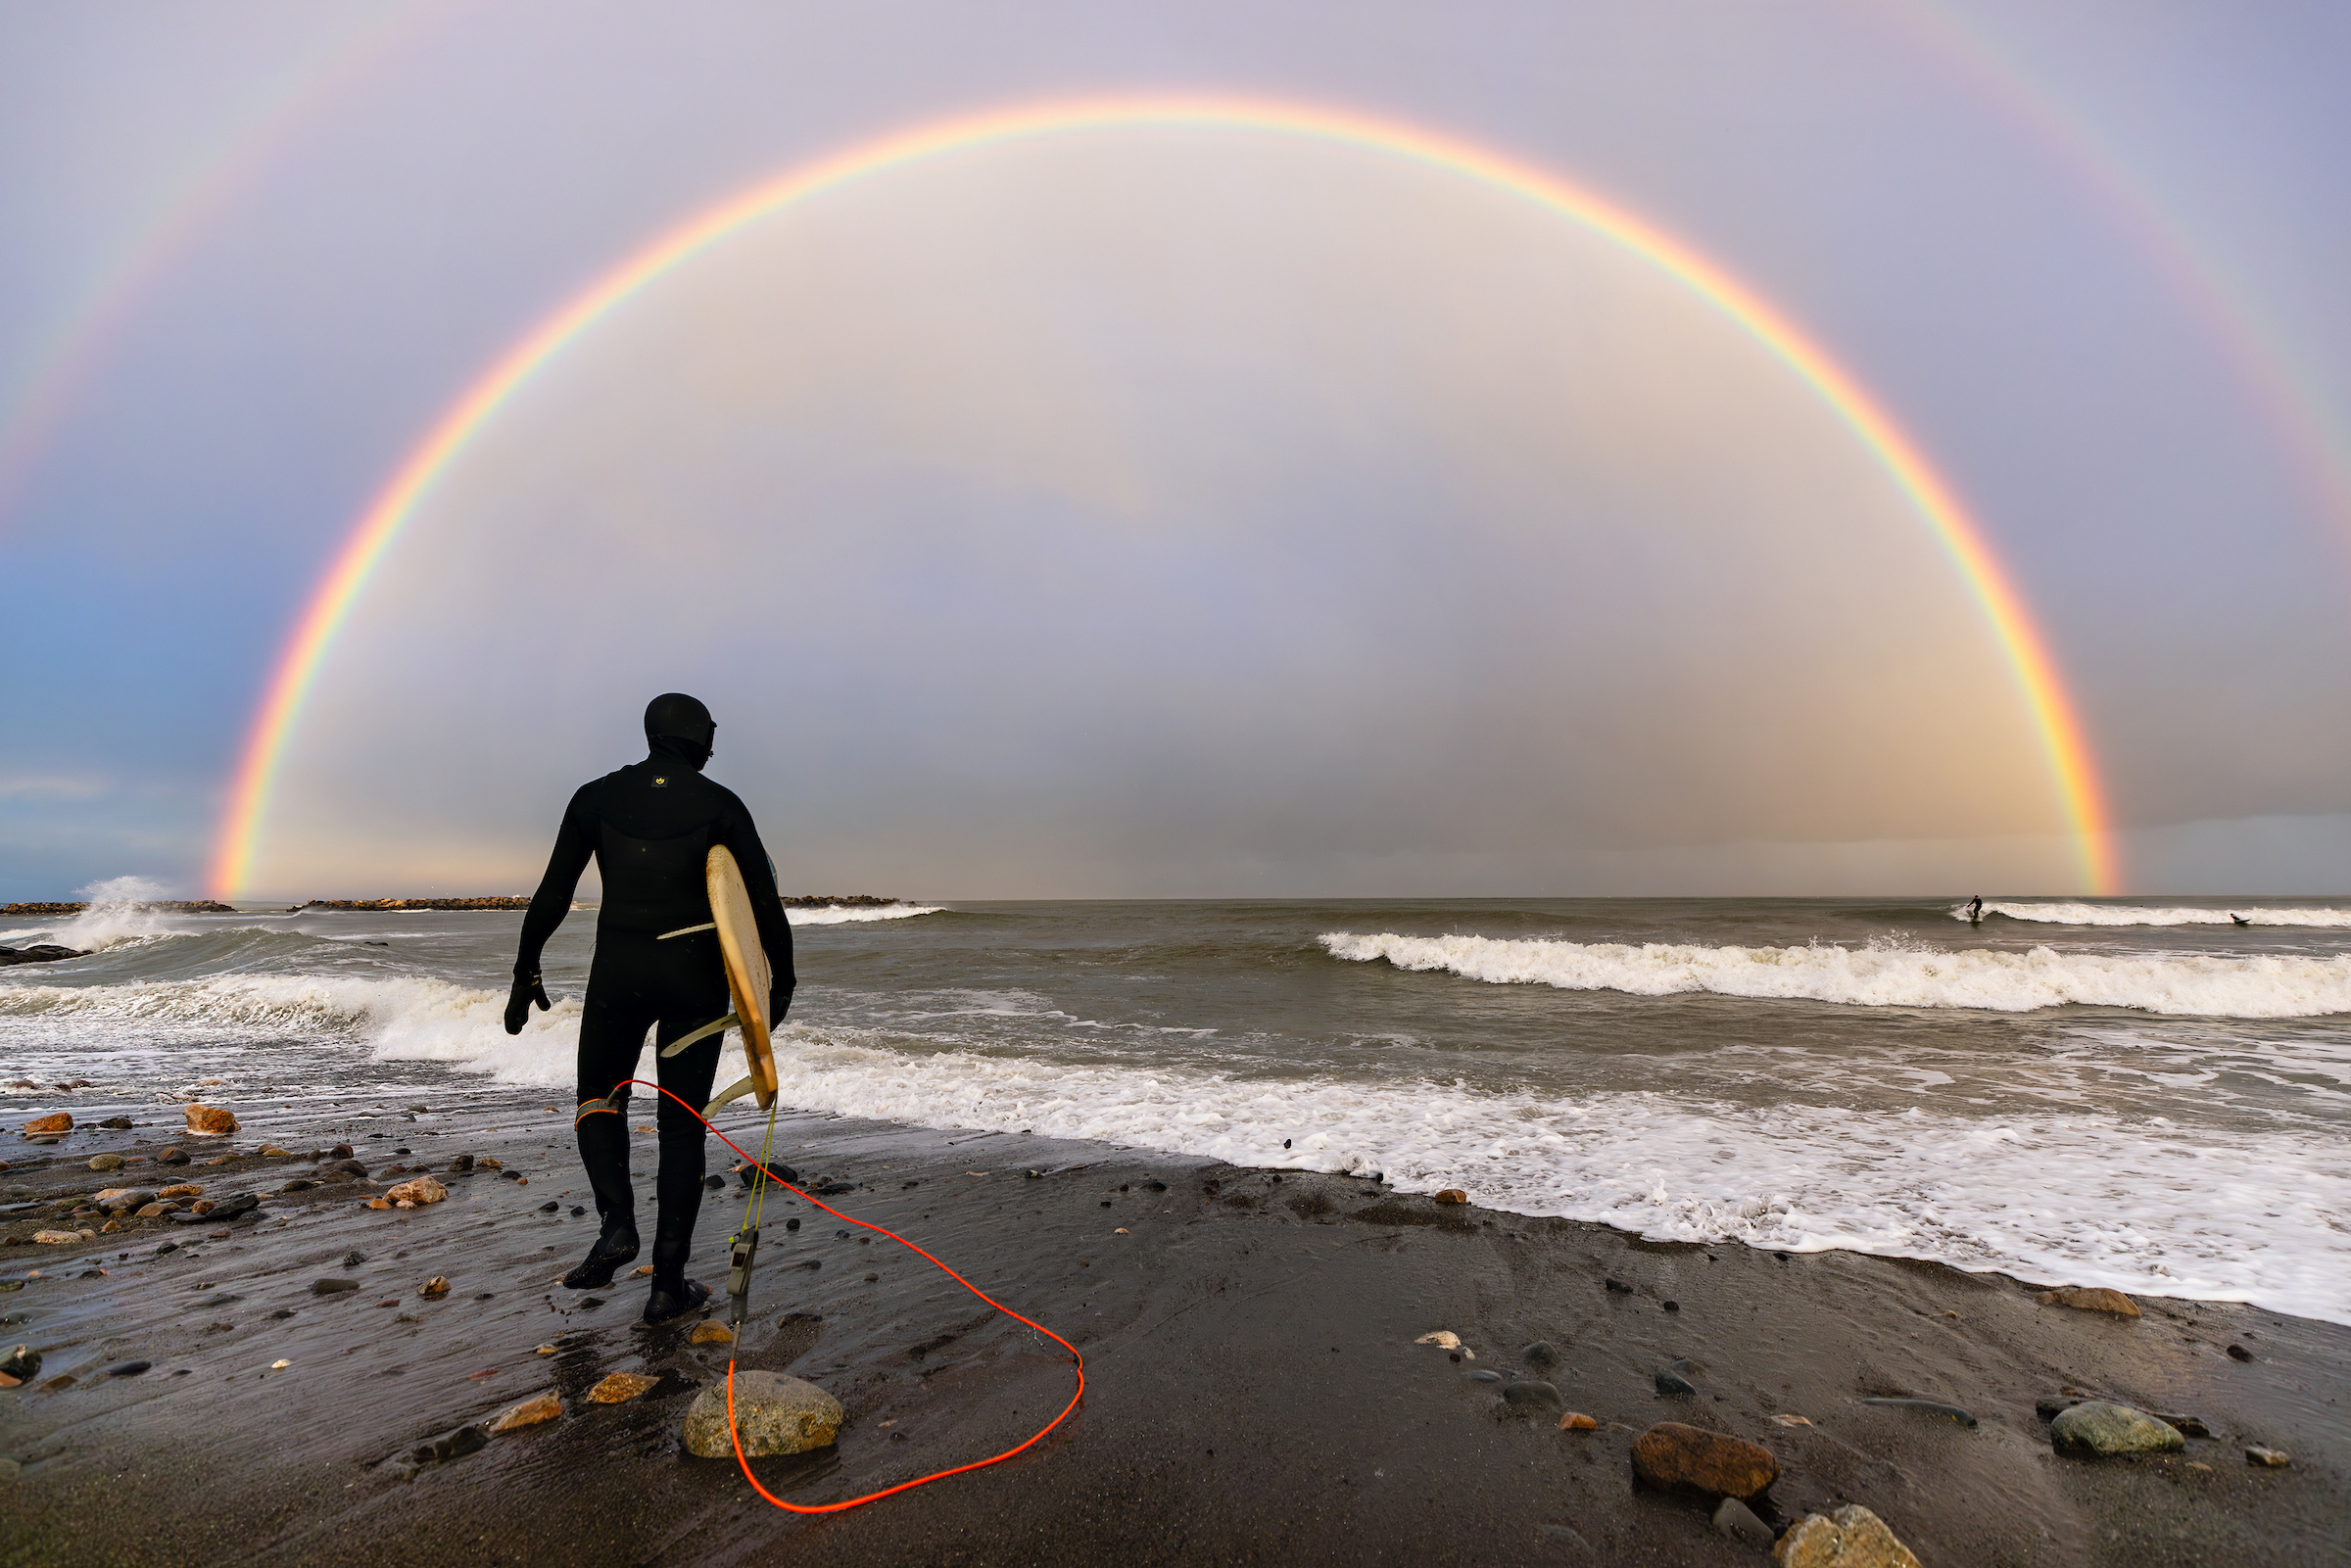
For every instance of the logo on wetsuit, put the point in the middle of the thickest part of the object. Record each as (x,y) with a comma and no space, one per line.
(661,784)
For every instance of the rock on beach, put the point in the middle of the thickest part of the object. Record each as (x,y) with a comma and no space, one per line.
(417,1190)
(620,1388)
(773,1414)
(2092,1299)
(49,1125)
(1672,1456)
(530,1412)
(2097,1427)
(1850,1538)
(207,1121)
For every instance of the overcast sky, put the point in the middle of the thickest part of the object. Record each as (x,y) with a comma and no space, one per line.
(1184,511)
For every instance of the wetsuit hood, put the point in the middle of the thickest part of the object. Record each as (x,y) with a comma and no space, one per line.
(678,726)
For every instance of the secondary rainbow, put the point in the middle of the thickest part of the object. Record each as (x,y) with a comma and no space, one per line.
(313,633)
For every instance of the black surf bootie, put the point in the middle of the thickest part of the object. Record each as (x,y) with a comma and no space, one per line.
(674,1300)
(614,1251)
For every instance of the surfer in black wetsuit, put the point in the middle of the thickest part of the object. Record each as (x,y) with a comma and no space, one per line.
(650,827)
(1974,910)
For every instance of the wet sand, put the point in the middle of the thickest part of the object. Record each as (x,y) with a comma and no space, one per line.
(1254,1393)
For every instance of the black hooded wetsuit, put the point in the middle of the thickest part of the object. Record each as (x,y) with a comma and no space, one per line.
(650,827)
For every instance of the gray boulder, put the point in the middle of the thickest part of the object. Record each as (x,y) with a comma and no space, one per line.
(773,1414)
(2097,1427)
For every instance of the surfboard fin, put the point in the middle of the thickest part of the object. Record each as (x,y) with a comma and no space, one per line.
(736,1092)
(730,1021)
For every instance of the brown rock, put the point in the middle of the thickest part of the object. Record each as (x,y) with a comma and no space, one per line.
(158,1206)
(1671,1455)
(110,1227)
(1577,1421)
(530,1412)
(208,1121)
(1850,1538)
(1452,1195)
(2092,1299)
(620,1388)
(202,1205)
(49,1125)
(185,1189)
(55,1238)
(273,1152)
(376,1203)
(417,1190)
(710,1334)
(2272,1458)
(433,1289)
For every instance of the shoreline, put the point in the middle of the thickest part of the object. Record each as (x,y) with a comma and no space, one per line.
(1270,1321)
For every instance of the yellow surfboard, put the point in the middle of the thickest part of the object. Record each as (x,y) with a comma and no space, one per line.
(748,973)
(747,978)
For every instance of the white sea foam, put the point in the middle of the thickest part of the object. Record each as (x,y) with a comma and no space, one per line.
(1887,975)
(847,914)
(2071,913)
(2056,1194)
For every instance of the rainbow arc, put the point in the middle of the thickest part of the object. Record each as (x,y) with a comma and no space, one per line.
(1963,542)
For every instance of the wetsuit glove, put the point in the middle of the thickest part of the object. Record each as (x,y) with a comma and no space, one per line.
(779,1001)
(528,988)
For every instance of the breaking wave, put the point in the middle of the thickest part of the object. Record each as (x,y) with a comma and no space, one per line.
(2074,913)
(1887,975)
(2063,1193)
(847,914)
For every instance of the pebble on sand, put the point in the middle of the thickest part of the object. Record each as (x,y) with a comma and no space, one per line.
(1540,1354)
(181,1189)
(1850,1538)
(1443,1338)
(434,1288)
(1673,1457)
(1788,1418)
(1577,1421)
(2097,1427)
(620,1388)
(333,1287)
(2094,1299)
(106,1161)
(417,1190)
(55,1238)
(209,1120)
(773,1414)
(1452,1195)
(378,1203)
(530,1412)
(2272,1458)
(49,1125)
(710,1334)
(1738,1521)
(271,1150)
(1531,1393)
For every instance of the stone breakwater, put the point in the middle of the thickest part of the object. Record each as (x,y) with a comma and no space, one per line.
(840,901)
(172,905)
(502,902)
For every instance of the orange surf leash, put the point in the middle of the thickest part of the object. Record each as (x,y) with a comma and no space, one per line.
(919,1481)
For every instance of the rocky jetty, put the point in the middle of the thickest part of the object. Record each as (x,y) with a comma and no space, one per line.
(502,902)
(840,901)
(168,906)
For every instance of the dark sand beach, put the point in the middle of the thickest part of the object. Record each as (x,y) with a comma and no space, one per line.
(1254,1392)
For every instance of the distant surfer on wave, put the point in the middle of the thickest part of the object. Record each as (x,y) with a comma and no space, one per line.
(1974,910)
(650,827)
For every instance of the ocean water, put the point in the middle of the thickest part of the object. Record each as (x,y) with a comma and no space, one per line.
(2142,1095)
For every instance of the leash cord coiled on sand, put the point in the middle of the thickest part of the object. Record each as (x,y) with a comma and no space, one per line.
(758,1198)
